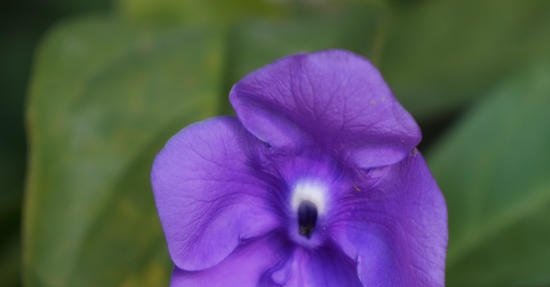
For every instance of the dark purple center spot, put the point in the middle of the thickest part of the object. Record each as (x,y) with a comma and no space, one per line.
(307,218)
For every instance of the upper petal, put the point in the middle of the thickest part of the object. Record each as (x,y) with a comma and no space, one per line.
(395,226)
(332,98)
(208,192)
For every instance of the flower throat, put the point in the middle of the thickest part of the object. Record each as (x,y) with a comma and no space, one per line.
(307,218)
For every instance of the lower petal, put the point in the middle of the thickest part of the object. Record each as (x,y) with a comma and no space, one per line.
(247,266)
(322,267)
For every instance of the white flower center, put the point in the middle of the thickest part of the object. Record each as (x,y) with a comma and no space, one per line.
(310,190)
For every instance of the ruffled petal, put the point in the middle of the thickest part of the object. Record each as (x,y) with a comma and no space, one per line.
(208,192)
(334,99)
(395,226)
(322,267)
(247,266)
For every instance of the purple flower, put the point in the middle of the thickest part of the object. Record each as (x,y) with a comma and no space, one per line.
(316,182)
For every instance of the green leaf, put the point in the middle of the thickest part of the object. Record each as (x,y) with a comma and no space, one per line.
(441,55)
(104,99)
(253,44)
(190,11)
(494,171)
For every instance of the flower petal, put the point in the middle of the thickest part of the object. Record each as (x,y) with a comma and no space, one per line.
(322,267)
(208,192)
(395,226)
(247,266)
(334,99)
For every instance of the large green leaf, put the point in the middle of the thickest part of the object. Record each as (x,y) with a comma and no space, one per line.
(494,170)
(104,99)
(440,55)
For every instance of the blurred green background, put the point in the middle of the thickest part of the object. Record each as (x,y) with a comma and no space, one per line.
(91,90)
